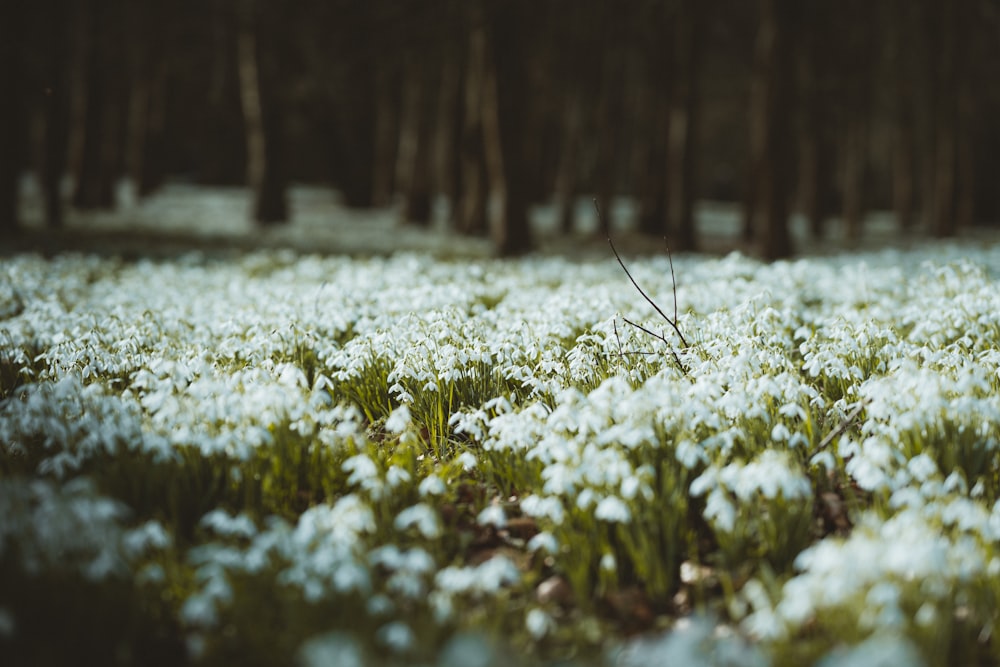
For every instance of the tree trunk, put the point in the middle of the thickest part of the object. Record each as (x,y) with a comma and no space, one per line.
(568,170)
(447,133)
(54,145)
(652,176)
(471,205)
(386,134)
(261,117)
(502,118)
(609,121)
(683,128)
(855,168)
(770,119)
(815,146)
(97,116)
(413,158)
(857,68)
(12,119)
(903,121)
(945,74)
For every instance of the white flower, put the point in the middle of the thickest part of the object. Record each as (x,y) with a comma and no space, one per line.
(538,623)
(549,507)
(398,420)
(544,541)
(613,509)
(432,485)
(879,650)
(361,467)
(467,460)
(397,636)
(492,515)
(421,515)
(222,524)
(332,648)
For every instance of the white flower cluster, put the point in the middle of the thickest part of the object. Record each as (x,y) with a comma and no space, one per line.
(71,528)
(529,374)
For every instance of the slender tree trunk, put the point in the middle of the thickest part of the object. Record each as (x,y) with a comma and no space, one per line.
(857,68)
(151,173)
(147,62)
(262,119)
(98,108)
(447,134)
(386,134)
(815,147)
(855,170)
(223,135)
(965,158)
(413,161)
(471,207)
(568,170)
(771,116)
(903,120)
(55,111)
(502,119)
(652,176)
(683,128)
(609,121)
(966,102)
(12,119)
(945,75)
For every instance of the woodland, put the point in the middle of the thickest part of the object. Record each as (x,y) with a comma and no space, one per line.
(829,109)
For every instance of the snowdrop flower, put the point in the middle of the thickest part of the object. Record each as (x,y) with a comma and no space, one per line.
(486,577)
(150,535)
(333,648)
(538,623)
(608,562)
(421,515)
(398,420)
(879,650)
(432,485)
(692,641)
(492,515)
(613,509)
(543,541)
(222,524)
(396,476)
(549,507)
(363,471)
(467,460)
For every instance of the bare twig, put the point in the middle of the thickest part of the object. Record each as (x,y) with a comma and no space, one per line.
(844,424)
(673,283)
(617,338)
(671,322)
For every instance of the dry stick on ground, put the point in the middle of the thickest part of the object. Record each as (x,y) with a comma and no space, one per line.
(671,322)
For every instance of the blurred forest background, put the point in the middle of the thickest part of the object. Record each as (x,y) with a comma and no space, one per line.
(828,108)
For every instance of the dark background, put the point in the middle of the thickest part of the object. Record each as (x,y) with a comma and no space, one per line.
(830,108)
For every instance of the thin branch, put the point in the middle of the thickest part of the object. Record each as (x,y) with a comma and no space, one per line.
(661,337)
(632,353)
(644,295)
(844,424)
(621,355)
(673,283)
(671,322)
(646,331)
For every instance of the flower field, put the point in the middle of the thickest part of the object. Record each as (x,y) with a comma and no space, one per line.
(278,458)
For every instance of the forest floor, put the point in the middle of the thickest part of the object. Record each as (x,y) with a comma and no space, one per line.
(182,218)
